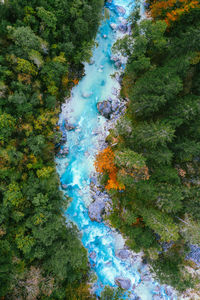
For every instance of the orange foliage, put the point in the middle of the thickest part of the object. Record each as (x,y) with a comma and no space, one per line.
(24,78)
(181,172)
(105,163)
(171,10)
(75,81)
(138,221)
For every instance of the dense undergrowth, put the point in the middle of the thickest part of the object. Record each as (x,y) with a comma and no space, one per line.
(155,148)
(42,45)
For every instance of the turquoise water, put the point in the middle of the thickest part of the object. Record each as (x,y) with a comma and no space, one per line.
(77,168)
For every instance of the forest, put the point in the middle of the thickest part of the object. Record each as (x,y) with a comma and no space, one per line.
(42,46)
(151,166)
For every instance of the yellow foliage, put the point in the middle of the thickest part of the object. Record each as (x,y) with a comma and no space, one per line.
(24,66)
(33,158)
(39,219)
(65,80)
(52,89)
(61,58)
(46,118)
(28,128)
(45,172)
(195,59)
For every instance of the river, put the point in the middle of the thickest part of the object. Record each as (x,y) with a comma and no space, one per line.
(76,170)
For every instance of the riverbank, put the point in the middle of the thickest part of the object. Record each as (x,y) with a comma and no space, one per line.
(156,207)
(112,263)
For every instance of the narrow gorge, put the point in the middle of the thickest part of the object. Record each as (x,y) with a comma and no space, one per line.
(84,130)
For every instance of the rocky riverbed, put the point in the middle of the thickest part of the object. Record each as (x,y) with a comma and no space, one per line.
(85,131)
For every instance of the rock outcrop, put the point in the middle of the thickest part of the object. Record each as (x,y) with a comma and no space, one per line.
(123,254)
(105,108)
(95,210)
(120,10)
(69,126)
(123,283)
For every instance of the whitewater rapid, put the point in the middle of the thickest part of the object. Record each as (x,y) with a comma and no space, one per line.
(76,169)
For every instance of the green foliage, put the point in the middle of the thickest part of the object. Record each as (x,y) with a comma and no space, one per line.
(128,158)
(152,135)
(25,38)
(6,267)
(160,132)
(7,126)
(112,294)
(168,269)
(42,47)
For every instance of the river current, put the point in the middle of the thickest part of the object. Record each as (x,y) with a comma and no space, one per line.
(76,169)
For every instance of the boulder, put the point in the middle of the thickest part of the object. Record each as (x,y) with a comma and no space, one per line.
(123,283)
(86,95)
(169,291)
(114,58)
(91,62)
(63,152)
(119,78)
(69,126)
(123,28)
(113,26)
(115,92)
(105,108)
(64,186)
(118,64)
(95,210)
(123,254)
(120,10)
(92,255)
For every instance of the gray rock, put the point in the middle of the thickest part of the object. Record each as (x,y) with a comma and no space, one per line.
(114,91)
(69,126)
(86,95)
(92,255)
(113,26)
(91,62)
(120,10)
(123,21)
(63,152)
(118,64)
(194,254)
(123,254)
(105,108)
(123,28)
(95,210)
(114,58)
(124,283)
(64,186)
(169,291)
